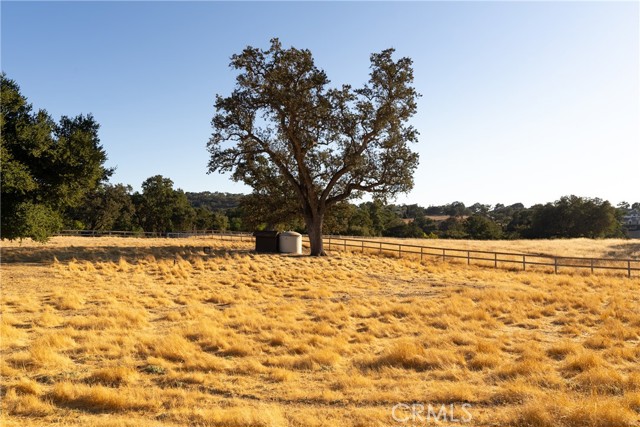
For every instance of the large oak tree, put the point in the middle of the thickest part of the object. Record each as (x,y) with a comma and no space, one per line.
(287,133)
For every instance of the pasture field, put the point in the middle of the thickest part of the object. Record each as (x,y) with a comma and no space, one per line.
(587,248)
(156,332)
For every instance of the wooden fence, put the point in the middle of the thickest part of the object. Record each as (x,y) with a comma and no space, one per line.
(514,261)
(180,234)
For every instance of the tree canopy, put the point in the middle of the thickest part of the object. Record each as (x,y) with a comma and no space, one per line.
(287,133)
(161,208)
(47,167)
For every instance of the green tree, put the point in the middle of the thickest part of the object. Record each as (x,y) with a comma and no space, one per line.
(215,201)
(382,216)
(350,220)
(361,223)
(427,225)
(295,137)
(503,215)
(203,219)
(452,228)
(520,224)
(339,218)
(220,221)
(480,227)
(573,216)
(457,209)
(479,208)
(400,228)
(108,207)
(162,209)
(412,211)
(260,210)
(207,220)
(47,167)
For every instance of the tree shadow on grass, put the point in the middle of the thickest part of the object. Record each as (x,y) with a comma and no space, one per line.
(625,250)
(132,254)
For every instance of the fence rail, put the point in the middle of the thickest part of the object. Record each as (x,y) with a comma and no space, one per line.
(150,234)
(511,260)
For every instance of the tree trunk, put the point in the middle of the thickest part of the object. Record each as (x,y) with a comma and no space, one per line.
(314,228)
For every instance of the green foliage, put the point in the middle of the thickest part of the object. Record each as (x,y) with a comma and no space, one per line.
(573,216)
(219,222)
(35,221)
(503,215)
(203,219)
(520,224)
(207,220)
(412,211)
(400,228)
(479,208)
(452,228)
(367,219)
(214,201)
(294,137)
(161,209)
(108,207)
(261,210)
(457,209)
(47,167)
(480,227)
(427,225)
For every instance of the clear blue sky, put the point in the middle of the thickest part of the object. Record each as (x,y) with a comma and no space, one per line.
(522,102)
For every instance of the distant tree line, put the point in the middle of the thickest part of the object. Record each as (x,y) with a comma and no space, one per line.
(161,208)
(53,177)
(569,217)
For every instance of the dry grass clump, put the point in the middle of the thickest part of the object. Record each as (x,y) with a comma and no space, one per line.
(25,405)
(407,354)
(583,362)
(113,376)
(240,416)
(599,381)
(154,332)
(561,350)
(99,398)
(561,411)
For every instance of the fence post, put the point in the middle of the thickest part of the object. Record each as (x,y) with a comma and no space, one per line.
(524,262)
(495,260)
(555,265)
(399,251)
(468,257)
(591,265)
(443,254)
(380,250)
(421,253)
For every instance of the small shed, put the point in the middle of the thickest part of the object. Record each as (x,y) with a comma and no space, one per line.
(266,241)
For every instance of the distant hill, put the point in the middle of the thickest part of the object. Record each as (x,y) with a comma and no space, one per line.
(214,201)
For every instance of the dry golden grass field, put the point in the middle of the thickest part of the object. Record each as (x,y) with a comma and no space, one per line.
(155,332)
(597,248)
